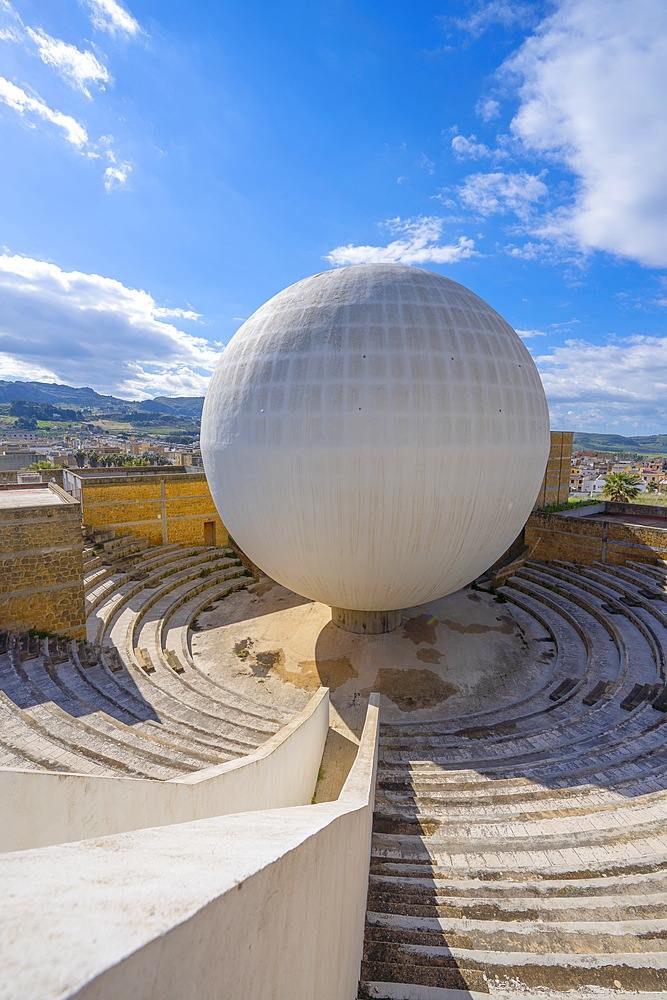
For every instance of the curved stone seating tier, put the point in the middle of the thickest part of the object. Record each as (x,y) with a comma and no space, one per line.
(141,626)
(201,695)
(132,709)
(69,688)
(175,639)
(134,617)
(98,697)
(606,728)
(607,596)
(530,854)
(148,559)
(151,575)
(113,548)
(573,721)
(44,747)
(573,649)
(656,572)
(638,580)
(652,610)
(88,736)
(122,696)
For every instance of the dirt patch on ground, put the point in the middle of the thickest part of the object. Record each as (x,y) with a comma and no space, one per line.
(261,588)
(475,628)
(429,655)
(420,629)
(271,658)
(311,674)
(242,647)
(413,689)
(474,597)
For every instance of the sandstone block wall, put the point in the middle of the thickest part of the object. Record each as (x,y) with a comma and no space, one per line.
(165,509)
(41,567)
(555,486)
(580,540)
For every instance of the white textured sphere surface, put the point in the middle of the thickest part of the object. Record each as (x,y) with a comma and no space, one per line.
(375,437)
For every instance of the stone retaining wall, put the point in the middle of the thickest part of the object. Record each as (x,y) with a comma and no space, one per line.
(41,568)
(164,507)
(581,540)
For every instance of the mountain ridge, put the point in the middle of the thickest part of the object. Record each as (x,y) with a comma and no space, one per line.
(59,394)
(642,444)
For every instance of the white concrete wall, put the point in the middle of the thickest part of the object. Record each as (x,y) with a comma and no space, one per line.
(257,906)
(42,808)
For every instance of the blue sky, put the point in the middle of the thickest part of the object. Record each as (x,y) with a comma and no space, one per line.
(167,167)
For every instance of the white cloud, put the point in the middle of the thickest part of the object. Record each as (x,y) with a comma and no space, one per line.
(529,334)
(81,328)
(426,164)
(76,67)
(28,371)
(31,107)
(622,383)
(108,15)
(469,148)
(164,313)
(492,12)
(488,109)
(529,251)
(418,243)
(163,380)
(116,175)
(592,86)
(17,99)
(501,192)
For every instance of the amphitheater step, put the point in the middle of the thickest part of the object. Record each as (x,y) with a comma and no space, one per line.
(451,977)
(525,852)
(518,973)
(563,688)
(601,690)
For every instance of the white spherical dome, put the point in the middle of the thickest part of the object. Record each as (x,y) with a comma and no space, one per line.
(375,437)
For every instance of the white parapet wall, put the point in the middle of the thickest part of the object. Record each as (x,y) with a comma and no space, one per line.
(44,808)
(265,905)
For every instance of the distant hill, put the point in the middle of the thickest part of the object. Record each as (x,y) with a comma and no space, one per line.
(67,395)
(47,392)
(653,444)
(183,406)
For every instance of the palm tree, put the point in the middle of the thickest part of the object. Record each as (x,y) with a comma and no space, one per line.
(621,487)
(80,457)
(93,459)
(652,487)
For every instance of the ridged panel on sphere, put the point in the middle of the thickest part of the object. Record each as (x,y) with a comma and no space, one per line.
(375,437)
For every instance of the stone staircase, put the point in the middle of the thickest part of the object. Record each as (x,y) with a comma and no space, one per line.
(523,852)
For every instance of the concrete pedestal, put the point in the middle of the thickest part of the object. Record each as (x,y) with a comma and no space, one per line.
(366,622)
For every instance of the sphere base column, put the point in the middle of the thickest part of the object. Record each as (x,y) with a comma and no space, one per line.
(366,622)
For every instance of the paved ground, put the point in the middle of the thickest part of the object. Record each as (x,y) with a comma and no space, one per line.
(463,653)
